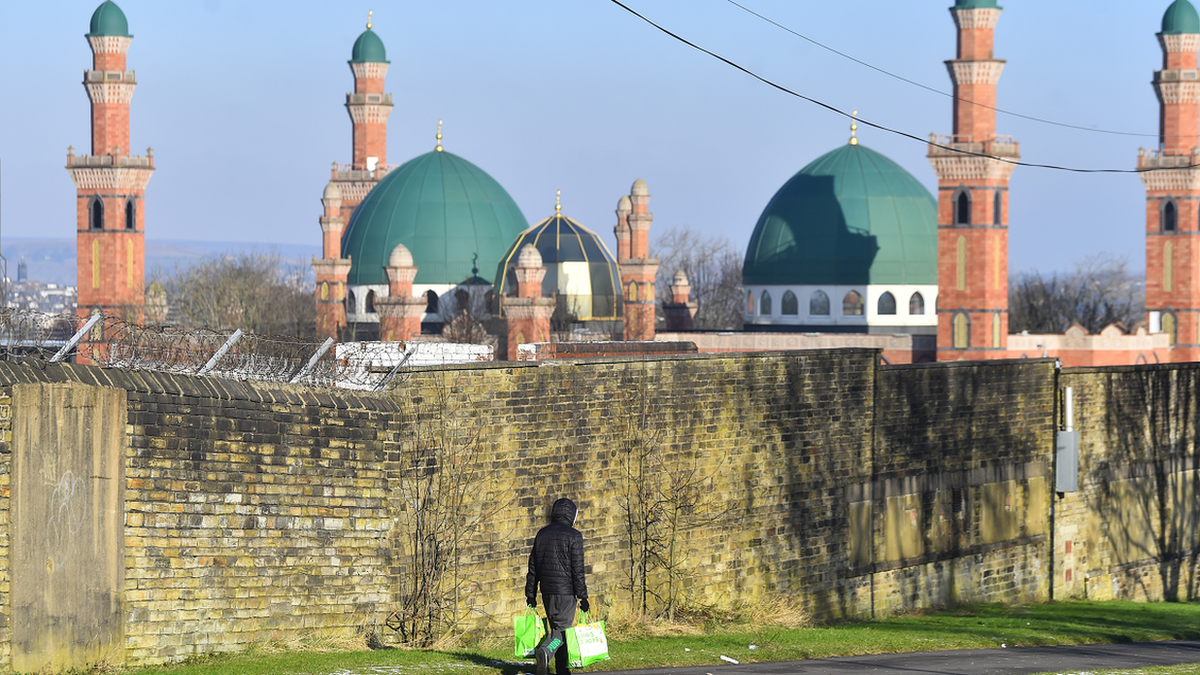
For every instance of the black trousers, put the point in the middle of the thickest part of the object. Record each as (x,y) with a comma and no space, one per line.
(560,614)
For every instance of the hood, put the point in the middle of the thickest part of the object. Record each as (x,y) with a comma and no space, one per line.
(564,512)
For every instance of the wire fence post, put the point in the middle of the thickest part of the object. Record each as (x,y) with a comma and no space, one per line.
(212,363)
(313,361)
(66,349)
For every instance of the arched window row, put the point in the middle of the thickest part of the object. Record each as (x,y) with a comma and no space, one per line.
(853,304)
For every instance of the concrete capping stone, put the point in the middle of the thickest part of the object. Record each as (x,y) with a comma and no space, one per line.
(1007,363)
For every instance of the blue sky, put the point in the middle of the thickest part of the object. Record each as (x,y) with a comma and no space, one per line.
(243,105)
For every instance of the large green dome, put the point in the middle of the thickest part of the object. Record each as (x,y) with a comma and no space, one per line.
(109,21)
(850,217)
(975,4)
(368,48)
(444,209)
(1180,18)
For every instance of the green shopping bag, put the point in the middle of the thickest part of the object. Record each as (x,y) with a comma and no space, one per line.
(586,643)
(527,630)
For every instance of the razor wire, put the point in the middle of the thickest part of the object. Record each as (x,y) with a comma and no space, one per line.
(112,342)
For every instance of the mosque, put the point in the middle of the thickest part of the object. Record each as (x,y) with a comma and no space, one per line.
(851,251)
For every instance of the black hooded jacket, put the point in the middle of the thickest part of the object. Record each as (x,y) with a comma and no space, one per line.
(556,561)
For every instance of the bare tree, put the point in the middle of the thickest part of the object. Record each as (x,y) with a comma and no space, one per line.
(257,291)
(465,313)
(713,266)
(1099,291)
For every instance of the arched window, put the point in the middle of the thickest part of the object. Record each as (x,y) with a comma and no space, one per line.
(996,331)
(764,304)
(997,208)
(633,291)
(960,262)
(789,306)
(1169,326)
(887,303)
(1170,215)
(1169,267)
(431,302)
(962,207)
(852,304)
(370,302)
(324,290)
(818,304)
(350,303)
(916,304)
(130,215)
(962,330)
(96,214)
(750,302)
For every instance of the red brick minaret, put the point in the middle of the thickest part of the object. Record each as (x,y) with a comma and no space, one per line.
(528,313)
(369,109)
(399,312)
(973,198)
(633,257)
(1172,216)
(110,184)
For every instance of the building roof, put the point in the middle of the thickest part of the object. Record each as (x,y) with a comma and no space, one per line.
(1179,18)
(579,268)
(852,216)
(444,209)
(368,48)
(976,4)
(109,21)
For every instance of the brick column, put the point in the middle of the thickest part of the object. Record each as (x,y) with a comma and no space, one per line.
(529,313)
(973,200)
(638,269)
(400,313)
(680,312)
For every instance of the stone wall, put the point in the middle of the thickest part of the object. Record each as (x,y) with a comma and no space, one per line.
(254,511)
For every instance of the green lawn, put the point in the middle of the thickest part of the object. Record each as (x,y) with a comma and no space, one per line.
(963,628)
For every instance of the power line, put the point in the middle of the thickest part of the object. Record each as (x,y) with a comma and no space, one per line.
(934,89)
(881,127)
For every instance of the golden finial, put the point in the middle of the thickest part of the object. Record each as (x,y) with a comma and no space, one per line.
(854,128)
(369,12)
(439,137)
(558,202)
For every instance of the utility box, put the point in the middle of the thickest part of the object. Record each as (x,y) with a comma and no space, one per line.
(1066,461)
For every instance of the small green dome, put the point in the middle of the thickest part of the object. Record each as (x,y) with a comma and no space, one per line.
(975,4)
(580,270)
(444,209)
(850,217)
(368,48)
(109,21)
(1180,18)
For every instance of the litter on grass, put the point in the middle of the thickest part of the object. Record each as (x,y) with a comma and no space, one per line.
(729,660)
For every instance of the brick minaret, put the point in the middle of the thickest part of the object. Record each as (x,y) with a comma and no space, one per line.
(1172,194)
(110,184)
(529,313)
(633,257)
(400,313)
(973,198)
(680,312)
(369,108)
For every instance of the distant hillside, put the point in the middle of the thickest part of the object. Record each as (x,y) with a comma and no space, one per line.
(53,260)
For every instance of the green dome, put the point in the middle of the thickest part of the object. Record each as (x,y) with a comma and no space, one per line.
(850,217)
(108,20)
(368,48)
(580,270)
(444,209)
(975,4)
(1181,17)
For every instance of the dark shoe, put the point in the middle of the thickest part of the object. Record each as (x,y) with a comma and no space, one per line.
(543,661)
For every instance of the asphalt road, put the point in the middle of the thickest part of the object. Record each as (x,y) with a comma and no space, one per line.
(1017,661)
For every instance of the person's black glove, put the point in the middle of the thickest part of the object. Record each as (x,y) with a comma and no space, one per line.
(531,602)
(585,605)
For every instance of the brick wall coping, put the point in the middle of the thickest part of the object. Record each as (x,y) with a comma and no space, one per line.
(1140,368)
(638,358)
(980,362)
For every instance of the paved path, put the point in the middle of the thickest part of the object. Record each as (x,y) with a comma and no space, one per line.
(1017,661)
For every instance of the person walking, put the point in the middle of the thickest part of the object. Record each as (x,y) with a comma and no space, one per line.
(556,563)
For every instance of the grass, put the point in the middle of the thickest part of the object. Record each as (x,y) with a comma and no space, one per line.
(706,639)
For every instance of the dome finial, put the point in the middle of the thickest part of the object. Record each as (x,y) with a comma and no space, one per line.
(439,137)
(854,128)
(369,12)
(557,202)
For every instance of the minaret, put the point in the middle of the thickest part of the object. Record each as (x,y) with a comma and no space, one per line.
(369,108)
(633,257)
(110,184)
(973,197)
(1172,217)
